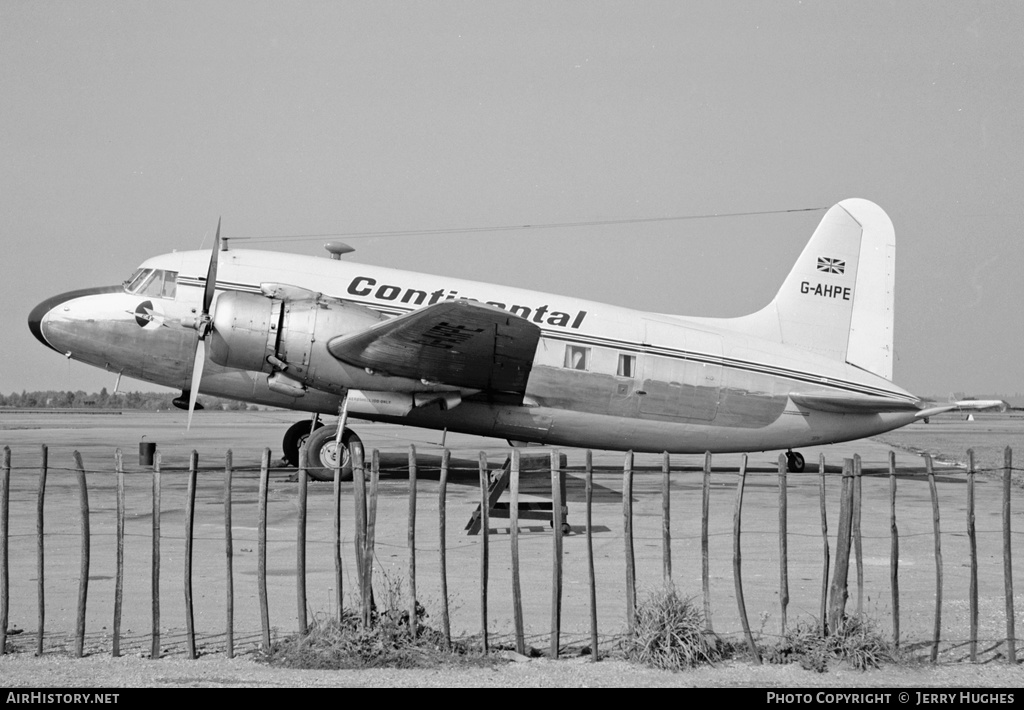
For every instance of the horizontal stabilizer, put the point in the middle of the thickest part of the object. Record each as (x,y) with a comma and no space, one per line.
(457,343)
(850,404)
(964,405)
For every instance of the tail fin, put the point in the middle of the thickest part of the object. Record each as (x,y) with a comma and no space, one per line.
(838,298)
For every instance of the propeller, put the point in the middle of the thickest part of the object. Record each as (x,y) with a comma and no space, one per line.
(204,326)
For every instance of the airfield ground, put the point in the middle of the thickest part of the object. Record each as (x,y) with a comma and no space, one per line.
(96,436)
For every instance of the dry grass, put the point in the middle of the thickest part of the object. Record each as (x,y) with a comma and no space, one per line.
(671,634)
(855,643)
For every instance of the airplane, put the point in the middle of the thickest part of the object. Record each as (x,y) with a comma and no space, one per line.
(332,336)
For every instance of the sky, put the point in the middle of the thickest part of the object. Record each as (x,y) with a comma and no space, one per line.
(129,128)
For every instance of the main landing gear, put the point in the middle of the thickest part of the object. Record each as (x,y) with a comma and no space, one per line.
(794,462)
(322,451)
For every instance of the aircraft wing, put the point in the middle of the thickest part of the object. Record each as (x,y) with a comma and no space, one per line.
(458,343)
(852,404)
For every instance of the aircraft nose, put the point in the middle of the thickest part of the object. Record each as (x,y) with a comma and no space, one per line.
(37,318)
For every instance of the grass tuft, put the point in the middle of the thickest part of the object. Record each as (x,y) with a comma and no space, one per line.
(670,634)
(855,642)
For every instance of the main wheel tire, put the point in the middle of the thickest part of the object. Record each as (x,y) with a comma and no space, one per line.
(322,453)
(295,437)
(795,462)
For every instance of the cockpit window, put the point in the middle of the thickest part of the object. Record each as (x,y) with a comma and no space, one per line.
(156,283)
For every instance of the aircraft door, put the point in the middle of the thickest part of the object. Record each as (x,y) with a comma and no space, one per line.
(681,372)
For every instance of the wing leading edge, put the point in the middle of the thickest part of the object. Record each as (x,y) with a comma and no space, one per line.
(458,343)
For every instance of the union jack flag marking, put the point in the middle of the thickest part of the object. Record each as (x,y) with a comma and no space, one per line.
(831,266)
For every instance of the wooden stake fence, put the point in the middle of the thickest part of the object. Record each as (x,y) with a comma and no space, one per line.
(833,615)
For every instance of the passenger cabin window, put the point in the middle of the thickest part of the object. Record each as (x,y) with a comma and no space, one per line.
(577,357)
(155,283)
(627,365)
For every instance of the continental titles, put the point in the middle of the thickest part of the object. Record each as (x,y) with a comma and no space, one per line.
(366,286)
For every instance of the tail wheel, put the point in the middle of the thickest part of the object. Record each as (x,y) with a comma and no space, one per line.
(295,437)
(795,462)
(323,454)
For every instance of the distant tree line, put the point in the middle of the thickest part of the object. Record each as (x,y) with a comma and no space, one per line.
(148,401)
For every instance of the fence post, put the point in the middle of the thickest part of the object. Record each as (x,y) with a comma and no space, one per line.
(154,649)
(858,550)
(838,592)
(371,531)
(229,582)
(556,553)
(736,560)
(591,576)
(666,523)
(938,557)
(972,540)
(261,550)
(824,542)
(485,524)
(300,542)
(83,580)
(783,544)
(412,539)
(517,590)
(1011,635)
(894,552)
(705,555)
(627,530)
(190,508)
(442,495)
(5,580)
(119,574)
(40,553)
(336,546)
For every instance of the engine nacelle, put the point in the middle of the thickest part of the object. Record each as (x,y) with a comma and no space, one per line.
(285,335)
(245,327)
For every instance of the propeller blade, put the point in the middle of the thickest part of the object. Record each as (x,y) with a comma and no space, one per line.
(211,273)
(197,374)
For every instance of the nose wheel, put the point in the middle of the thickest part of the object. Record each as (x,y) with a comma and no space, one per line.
(795,462)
